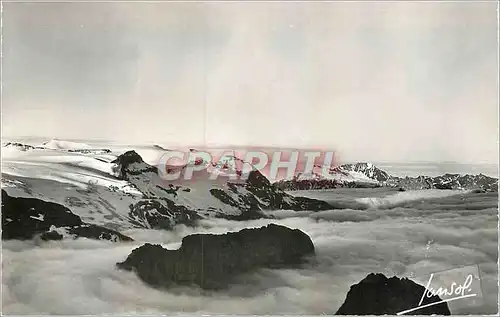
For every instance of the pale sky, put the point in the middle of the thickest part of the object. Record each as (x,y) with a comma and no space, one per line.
(373,81)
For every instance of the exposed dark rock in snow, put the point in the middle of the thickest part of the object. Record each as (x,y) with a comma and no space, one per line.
(212,261)
(378,295)
(161,213)
(90,151)
(27,218)
(20,146)
(131,163)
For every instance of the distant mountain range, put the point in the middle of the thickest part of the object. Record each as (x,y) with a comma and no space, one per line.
(366,175)
(56,145)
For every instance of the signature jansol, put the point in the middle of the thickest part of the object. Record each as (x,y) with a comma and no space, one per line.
(459,290)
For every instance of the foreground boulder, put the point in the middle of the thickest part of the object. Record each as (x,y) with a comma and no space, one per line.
(28,218)
(213,261)
(379,295)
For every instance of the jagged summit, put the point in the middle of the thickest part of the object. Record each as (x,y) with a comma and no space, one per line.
(128,158)
(367,169)
(131,163)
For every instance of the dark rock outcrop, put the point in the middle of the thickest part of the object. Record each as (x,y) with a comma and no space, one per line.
(20,146)
(212,261)
(27,218)
(161,213)
(131,163)
(378,295)
(90,151)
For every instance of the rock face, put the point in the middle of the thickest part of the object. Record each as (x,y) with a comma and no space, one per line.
(378,295)
(28,218)
(212,261)
(270,197)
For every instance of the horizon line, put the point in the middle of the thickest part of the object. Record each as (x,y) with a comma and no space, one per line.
(267,147)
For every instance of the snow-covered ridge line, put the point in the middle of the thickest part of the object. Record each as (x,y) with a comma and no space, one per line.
(65,147)
(361,174)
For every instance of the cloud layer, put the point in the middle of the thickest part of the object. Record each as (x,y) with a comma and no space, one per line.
(78,277)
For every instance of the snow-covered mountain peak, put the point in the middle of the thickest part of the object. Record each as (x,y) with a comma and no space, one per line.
(366,168)
(128,158)
(57,144)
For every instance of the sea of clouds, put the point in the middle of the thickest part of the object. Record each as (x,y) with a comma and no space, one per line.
(414,237)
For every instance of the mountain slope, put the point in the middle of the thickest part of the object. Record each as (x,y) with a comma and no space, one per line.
(213,198)
(28,218)
(126,192)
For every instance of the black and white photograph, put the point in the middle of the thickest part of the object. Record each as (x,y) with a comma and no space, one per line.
(249,158)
